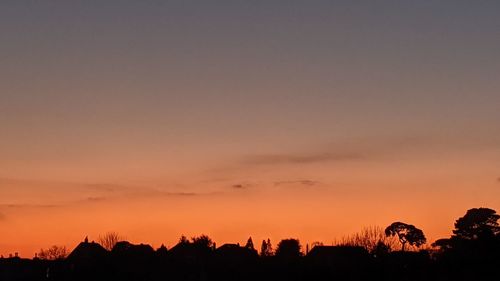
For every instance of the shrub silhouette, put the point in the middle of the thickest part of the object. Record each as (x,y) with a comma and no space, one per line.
(109,240)
(203,242)
(370,238)
(288,248)
(53,253)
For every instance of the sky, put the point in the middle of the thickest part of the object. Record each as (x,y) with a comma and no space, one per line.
(270,119)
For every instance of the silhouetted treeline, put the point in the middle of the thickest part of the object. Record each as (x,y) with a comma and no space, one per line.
(472,252)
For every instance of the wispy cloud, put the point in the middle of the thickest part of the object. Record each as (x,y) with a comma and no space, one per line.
(269,159)
(306,183)
(180,193)
(361,149)
(27,205)
(95,199)
(243,185)
(148,192)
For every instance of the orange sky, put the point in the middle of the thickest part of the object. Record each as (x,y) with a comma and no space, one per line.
(305,196)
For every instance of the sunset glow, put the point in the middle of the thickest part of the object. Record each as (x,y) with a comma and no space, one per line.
(244,118)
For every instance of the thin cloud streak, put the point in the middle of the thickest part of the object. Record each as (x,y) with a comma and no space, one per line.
(185,194)
(270,159)
(306,183)
(101,199)
(95,199)
(22,205)
(239,186)
(368,149)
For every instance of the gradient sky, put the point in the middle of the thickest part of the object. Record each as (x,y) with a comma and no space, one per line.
(307,119)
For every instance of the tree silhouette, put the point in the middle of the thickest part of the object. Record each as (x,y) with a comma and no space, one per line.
(266,249)
(249,244)
(406,233)
(183,240)
(109,240)
(289,248)
(53,253)
(203,242)
(477,223)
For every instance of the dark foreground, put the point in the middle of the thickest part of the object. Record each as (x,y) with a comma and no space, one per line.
(471,253)
(89,261)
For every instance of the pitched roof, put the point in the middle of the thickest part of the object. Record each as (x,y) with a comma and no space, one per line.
(86,250)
